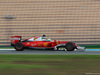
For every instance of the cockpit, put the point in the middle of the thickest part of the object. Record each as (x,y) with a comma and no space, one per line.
(42,39)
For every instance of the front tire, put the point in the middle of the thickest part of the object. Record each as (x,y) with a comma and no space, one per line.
(19,46)
(70,46)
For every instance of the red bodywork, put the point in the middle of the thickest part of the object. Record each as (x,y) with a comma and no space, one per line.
(15,39)
(35,42)
(45,44)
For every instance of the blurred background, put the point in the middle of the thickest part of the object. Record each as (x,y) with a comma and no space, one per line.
(65,20)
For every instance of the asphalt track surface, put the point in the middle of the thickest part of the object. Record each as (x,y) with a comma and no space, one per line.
(50,52)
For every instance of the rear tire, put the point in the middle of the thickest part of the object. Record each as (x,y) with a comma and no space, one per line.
(70,46)
(19,46)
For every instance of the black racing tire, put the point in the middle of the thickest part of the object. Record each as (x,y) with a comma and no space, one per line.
(19,46)
(70,46)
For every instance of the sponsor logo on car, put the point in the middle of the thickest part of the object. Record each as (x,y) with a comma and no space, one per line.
(45,44)
(15,38)
(57,43)
(39,45)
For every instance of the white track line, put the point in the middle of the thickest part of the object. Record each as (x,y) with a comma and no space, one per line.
(7,49)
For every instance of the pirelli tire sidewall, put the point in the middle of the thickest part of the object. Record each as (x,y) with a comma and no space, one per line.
(19,46)
(70,46)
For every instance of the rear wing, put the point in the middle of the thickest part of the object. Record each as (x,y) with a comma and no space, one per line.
(15,39)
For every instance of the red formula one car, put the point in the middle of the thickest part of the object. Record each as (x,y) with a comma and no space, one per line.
(43,43)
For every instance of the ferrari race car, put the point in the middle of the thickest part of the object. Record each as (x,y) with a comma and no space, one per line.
(43,43)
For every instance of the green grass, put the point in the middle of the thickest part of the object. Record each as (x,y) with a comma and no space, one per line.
(6,47)
(91,46)
(49,64)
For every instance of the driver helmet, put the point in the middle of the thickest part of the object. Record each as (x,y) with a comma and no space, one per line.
(44,37)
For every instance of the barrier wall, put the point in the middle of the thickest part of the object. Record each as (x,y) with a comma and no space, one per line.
(72,20)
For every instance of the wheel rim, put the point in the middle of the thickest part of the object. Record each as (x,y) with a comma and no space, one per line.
(19,46)
(69,46)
